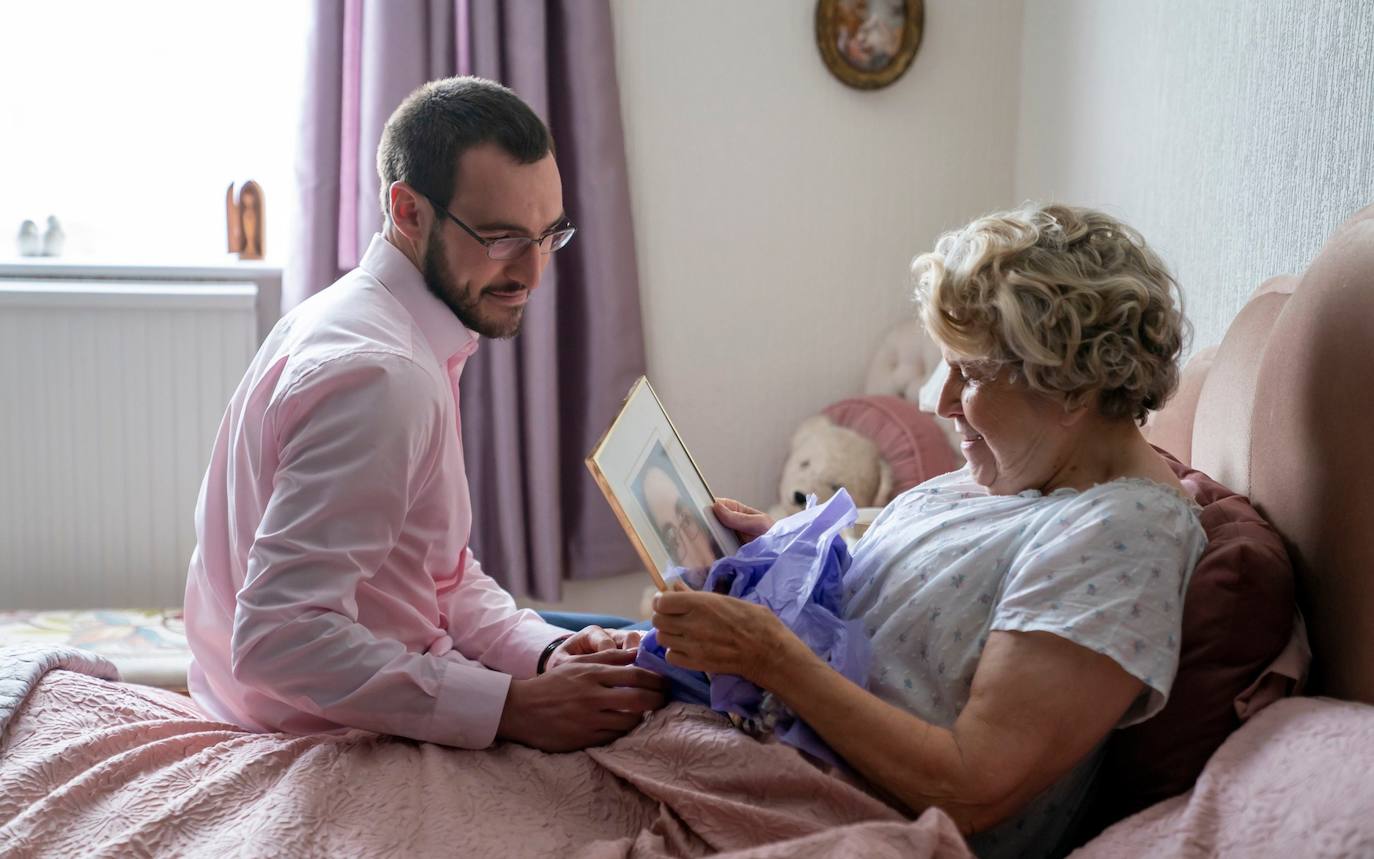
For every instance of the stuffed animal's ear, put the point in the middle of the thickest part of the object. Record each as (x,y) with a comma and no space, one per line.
(884,493)
(808,427)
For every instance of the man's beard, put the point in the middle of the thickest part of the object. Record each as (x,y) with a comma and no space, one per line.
(440,280)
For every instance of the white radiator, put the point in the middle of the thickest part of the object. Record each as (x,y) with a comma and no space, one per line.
(110,397)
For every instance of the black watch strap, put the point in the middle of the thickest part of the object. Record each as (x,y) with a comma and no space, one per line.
(548,651)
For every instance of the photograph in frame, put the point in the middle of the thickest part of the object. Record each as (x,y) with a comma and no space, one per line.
(656,490)
(869,44)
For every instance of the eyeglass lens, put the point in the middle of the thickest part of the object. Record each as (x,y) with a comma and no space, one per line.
(514,246)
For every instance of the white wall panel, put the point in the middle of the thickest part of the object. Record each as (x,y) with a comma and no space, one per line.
(777,210)
(1235,134)
(111,398)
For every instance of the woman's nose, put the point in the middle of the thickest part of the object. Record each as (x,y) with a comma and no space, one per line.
(950,406)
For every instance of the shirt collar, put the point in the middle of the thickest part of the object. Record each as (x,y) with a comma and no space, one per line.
(447,337)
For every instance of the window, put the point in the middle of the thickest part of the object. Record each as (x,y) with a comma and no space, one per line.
(128,120)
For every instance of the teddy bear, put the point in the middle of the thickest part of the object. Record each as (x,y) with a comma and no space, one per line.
(825,457)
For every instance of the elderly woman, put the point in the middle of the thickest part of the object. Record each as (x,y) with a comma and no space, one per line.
(1026,605)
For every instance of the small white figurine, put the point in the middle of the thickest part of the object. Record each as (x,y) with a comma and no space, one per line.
(53,238)
(30,243)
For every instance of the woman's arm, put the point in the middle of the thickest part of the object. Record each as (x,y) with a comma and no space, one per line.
(1038,705)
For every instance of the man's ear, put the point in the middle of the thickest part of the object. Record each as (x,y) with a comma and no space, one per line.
(410,211)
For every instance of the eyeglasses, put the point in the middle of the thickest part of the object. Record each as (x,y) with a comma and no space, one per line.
(510,247)
(676,534)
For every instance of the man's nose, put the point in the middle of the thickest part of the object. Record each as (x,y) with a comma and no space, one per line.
(528,268)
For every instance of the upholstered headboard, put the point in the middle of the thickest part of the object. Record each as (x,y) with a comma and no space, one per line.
(1286,415)
(1172,426)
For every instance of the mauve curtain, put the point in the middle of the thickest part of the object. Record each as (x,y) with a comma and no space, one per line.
(532,407)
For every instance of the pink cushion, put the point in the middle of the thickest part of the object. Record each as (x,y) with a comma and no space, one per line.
(1237,618)
(909,440)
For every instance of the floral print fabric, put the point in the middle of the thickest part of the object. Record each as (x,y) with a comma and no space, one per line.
(946,563)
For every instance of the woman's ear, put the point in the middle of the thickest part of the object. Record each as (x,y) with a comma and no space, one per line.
(1075,413)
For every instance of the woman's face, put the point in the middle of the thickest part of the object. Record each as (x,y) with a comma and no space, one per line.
(1013,438)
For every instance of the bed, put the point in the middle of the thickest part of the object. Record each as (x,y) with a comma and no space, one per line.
(1280,410)
(146,646)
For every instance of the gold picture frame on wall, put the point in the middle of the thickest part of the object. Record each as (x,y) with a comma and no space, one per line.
(656,490)
(868,44)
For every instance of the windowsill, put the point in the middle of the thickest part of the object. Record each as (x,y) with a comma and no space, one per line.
(85,281)
(207,269)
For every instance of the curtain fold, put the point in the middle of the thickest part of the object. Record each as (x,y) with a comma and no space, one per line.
(533,406)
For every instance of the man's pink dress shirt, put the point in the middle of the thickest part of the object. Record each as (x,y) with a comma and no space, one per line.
(332,585)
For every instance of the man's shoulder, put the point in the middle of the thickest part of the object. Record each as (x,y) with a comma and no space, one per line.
(353,328)
(374,387)
(355,318)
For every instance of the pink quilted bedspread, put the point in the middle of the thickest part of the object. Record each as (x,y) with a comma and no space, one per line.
(94,767)
(1293,782)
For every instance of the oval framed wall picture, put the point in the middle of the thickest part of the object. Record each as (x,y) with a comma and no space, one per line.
(868,44)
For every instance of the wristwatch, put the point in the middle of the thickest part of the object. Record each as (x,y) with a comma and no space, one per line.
(548,651)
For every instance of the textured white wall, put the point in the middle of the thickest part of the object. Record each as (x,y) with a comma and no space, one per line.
(1234,134)
(777,210)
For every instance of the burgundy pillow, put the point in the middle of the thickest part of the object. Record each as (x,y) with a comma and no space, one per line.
(1237,618)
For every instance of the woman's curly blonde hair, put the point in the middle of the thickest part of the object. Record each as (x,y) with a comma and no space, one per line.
(1070,299)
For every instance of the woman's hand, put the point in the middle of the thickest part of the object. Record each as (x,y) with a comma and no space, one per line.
(593,639)
(721,634)
(744,520)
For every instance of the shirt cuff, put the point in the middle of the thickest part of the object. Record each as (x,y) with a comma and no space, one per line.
(518,654)
(468,708)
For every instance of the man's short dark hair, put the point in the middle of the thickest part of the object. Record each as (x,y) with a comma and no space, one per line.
(438,122)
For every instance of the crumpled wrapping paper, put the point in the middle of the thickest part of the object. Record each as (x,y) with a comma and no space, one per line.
(796,570)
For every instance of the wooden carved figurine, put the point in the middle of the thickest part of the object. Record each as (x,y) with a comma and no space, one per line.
(245,212)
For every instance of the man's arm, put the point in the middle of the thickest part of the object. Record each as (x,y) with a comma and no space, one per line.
(349,435)
(351,440)
(486,625)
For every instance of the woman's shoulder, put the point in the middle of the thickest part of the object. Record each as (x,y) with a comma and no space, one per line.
(1139,496)
(1151,517)
(1136,496)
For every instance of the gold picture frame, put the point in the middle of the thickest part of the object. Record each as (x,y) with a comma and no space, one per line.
(655,488)
(868,44)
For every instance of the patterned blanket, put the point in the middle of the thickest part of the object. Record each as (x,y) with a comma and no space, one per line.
(89,766)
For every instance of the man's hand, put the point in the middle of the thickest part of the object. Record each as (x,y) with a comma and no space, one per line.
(593,639)
(587,700)
(744,520)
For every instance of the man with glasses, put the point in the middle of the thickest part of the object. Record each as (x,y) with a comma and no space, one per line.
(679,526)
(332,586)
